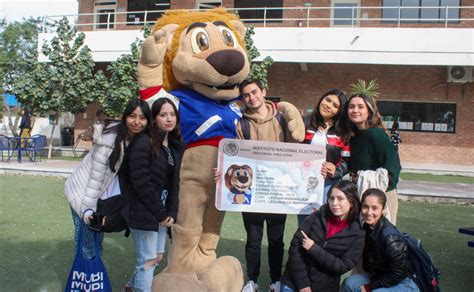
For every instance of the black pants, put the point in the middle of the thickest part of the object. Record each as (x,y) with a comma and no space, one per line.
(253,223)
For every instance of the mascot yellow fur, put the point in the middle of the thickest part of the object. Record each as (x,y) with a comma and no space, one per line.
(200,58)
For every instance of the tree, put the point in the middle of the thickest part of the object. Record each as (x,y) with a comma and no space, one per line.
(370,89)
(18,43)
(66,83)
(122,85)
(257,70)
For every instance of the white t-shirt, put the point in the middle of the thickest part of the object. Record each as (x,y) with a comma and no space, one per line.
(112,190)
(320,138)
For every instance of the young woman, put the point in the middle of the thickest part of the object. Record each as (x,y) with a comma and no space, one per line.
(152,174)
(395,135)
(371,148)
(321,131)
(385,257)
(328,244)
(97,177)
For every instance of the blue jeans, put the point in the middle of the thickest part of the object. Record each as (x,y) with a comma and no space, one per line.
(327,185)
(146,248)
(285,288)
(148,244)
(88,244)
(353,283)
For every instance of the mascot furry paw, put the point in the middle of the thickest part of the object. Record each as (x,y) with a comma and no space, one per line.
(200,59)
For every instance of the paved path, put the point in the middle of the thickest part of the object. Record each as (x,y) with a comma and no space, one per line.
(407,190)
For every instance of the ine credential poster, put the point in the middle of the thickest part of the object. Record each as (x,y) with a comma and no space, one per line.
(269,177)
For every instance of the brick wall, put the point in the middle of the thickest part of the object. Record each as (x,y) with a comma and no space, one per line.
(86,6)
(294,17)
(398,83)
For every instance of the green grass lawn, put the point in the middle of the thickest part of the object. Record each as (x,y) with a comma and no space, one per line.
(37,247)
(437,178)
(68,158)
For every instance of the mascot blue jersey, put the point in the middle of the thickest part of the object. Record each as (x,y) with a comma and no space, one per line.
(205,118)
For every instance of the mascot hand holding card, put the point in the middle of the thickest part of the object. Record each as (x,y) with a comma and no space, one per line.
(200,58)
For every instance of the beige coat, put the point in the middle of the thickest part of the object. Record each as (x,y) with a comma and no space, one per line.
(267,129)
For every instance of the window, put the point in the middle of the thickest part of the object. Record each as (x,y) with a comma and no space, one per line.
(104,15)
(257,15)
(145,5)
(208,4)
(419,116)
(344,12)
(420,10)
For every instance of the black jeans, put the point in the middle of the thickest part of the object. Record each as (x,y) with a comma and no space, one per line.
(253,223)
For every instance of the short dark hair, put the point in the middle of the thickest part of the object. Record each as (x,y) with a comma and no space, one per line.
(251,81)
(376,193)
(350,191)
(395,126)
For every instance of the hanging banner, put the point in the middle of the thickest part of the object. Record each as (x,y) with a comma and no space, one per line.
(269,177)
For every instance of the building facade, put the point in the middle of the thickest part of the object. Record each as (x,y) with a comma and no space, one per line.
(421,52)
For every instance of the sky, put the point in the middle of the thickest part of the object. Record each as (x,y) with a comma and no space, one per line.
(17,9)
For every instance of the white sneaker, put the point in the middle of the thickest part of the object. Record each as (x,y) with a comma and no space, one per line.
(274,287)
(251,286)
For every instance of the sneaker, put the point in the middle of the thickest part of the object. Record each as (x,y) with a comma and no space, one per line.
(274,287)
(127,288)
(251,286)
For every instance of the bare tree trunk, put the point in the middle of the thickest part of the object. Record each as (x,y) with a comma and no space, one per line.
(33,120)
(13,126)
(50,144)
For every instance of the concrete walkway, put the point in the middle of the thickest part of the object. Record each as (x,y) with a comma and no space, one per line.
(407,190)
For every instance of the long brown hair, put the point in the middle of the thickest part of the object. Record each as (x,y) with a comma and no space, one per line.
(316,119)
(120,127)
(350,191)
(158,135)
(347,129)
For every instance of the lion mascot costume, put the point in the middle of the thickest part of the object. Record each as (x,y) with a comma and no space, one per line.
(200,59)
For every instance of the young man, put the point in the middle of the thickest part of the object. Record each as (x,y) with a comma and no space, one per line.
(260,122)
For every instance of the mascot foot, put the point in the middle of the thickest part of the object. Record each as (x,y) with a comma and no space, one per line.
(191,250)
(178,282)
(224,274)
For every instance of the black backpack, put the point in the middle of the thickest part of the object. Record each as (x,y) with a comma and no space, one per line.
(245,125)
(112,208)
(426,275)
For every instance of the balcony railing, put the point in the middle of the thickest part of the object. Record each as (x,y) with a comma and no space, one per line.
(354,16)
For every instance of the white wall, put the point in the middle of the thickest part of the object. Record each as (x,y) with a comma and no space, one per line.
(397,46)
(392,46)
(41,126)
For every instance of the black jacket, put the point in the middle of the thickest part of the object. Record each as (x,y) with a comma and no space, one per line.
(25,121)
(386,258)
(143,178)
(322,266)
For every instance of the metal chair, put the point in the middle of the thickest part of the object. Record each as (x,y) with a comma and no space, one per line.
(36,147)
(84,136)
(5,146)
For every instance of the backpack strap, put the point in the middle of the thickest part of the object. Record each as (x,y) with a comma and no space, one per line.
(282,122)
(245,126)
